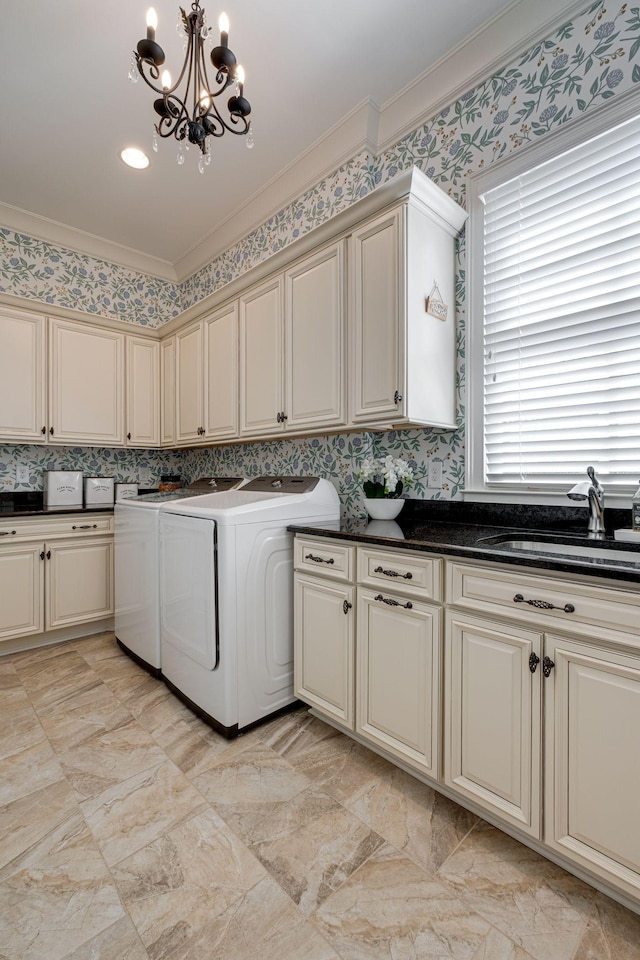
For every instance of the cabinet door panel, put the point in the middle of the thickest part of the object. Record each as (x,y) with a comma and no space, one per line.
(261,360)
(21,590)
(22,393)
(86,384)
(189,384)
(377,302)
(168,383)
(492,718)
(398,655)
(592,715)
(143,393)
(221,374)
(315,335)
(324,646)
(79,581)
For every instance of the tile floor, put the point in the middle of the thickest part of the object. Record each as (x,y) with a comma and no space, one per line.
(130,830)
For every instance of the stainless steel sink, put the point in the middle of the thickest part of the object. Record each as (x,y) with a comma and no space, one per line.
(593,551)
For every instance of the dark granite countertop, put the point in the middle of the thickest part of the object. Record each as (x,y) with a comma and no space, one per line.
(474,532)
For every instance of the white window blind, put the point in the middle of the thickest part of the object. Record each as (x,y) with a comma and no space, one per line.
(562,317)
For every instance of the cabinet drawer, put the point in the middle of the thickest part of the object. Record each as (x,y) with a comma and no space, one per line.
(542,600)
(44,528)
(325,558)
(411,574)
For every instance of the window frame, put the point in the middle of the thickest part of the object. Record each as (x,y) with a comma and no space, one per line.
(574,133)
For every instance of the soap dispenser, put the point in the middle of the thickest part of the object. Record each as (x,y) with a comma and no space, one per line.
(635,511)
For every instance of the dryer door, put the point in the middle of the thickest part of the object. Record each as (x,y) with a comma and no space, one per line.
(189,587)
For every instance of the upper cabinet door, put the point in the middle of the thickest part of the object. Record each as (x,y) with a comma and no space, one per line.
(315,328)
(221,373)
(189,384)
(22,393)
(261,360)
(168,392)
(377,304)
(86,386)
(143,392)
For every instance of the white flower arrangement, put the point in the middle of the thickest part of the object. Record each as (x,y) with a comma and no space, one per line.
(384,477)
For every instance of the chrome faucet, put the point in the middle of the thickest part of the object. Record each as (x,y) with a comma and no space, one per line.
(592,491)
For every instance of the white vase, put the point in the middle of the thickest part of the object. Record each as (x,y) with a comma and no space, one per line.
(380,508)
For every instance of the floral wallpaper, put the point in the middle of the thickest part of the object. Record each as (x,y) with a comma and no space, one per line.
(127,465)
(581,66)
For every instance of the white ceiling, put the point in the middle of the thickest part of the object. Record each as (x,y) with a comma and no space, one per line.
(68,110)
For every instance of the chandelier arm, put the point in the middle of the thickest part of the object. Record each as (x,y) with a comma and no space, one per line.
(214,115)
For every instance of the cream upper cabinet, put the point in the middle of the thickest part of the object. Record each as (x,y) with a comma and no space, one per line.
(143,392)
(492,732)
(189,384)
(22,377)
(221,374)
(315,341)
(86,384)
(262,360)
(168,392)
(402,306)
(592,775)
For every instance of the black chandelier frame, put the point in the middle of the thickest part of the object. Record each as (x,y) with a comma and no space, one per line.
(194,116)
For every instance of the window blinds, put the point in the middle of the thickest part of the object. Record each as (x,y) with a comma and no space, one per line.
(562,317)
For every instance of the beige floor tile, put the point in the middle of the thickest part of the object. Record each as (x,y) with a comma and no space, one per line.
(29,821)
(612,933)
(413,817)
(128,816)
(252,774)
(310,844)
(543,908)
(26,771)
(21,729)
(120,941)
(294,732)
(342,767)
(390,908)
(109,758)
(88,714)
(60,897)
(56,678)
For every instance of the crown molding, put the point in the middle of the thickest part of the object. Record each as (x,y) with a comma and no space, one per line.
(88,244)
(499,41)
(355,133)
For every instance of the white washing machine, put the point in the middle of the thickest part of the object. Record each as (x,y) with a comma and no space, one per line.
(226,575)
(137,567)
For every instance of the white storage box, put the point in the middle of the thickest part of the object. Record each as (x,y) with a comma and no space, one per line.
(98,490)
(63,488)
(125,491)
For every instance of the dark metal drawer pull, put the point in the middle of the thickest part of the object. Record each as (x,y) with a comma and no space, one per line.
(534,660)
(547,666)
(393,573)
(346,606)
(7,533)
(544,604)
(394,603)
(85,526)
(310,556)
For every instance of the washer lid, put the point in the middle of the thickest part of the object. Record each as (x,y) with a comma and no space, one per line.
(281,484)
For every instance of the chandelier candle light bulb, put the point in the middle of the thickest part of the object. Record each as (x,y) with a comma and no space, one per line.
(152,23)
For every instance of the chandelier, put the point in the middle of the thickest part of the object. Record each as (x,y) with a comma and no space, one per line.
(192,116)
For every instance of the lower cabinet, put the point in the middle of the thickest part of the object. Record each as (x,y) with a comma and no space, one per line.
(65,580)
(532,717)
(492,718)
(367,646)
(398,677)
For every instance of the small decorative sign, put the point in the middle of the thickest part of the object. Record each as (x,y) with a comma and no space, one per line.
(435,305)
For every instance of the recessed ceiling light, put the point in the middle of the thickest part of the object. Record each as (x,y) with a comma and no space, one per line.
(135,158)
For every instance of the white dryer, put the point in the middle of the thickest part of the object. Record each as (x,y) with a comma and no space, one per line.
(137,568)
(226,575)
